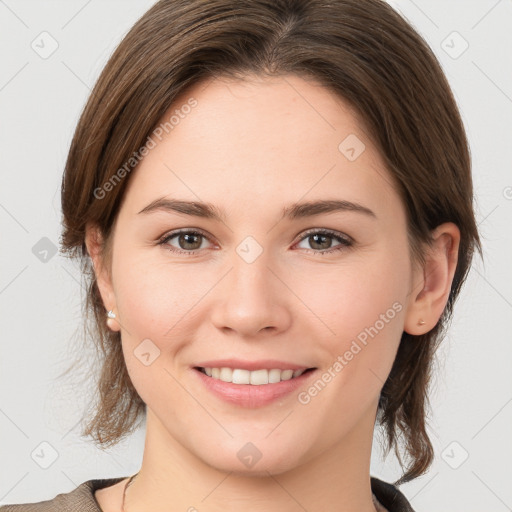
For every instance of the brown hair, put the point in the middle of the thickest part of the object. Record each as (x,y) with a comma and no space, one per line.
(364,52)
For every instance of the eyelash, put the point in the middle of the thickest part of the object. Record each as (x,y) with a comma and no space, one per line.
(344,240)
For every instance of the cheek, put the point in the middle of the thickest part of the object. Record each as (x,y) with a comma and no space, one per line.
(362,309)
(363,312)
(156,307)
(355,296)
(154,299)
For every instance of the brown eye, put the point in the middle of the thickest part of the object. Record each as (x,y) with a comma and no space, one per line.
(189,241)
(185,241)
(321,241)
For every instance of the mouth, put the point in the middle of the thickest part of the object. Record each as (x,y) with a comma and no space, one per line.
(258,377)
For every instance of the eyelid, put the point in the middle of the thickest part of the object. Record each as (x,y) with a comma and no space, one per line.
(174,232)
(325,231)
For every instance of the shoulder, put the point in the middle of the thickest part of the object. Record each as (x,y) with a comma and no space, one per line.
(389,496)
(80,499)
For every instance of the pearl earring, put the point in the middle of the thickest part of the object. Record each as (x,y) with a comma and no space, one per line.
(110,320)
(421,322)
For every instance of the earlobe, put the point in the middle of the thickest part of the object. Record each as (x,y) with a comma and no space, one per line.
(428,298)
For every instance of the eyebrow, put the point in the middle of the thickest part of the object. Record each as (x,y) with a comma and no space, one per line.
(292,212)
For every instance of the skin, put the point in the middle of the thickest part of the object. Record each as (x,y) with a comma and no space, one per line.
(252,147)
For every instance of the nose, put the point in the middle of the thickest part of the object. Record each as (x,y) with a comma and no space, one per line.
(252,299)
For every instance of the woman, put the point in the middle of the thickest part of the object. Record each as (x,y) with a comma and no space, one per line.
(273,201)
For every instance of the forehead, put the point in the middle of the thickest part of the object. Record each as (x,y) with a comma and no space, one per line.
(255,142)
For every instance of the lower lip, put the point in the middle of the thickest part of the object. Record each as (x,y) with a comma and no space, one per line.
(250,395)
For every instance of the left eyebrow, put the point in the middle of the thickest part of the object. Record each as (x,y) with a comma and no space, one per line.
(311,208)
(293,211)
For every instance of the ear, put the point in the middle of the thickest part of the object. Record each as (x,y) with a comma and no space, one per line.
(432,282)
(95,247)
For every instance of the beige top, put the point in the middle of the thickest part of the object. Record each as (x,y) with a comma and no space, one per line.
(387,498)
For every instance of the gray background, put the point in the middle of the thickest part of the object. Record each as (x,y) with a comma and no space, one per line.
(40,101)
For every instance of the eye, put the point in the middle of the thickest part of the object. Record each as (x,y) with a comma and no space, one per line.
(321,241)
(188,241)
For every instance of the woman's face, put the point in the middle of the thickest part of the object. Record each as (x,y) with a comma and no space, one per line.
(270,284)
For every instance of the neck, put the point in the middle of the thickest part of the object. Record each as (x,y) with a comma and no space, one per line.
(173,478)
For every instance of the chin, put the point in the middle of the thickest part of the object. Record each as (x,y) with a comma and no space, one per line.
(251,461)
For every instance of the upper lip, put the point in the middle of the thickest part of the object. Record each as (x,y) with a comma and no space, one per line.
(251,365)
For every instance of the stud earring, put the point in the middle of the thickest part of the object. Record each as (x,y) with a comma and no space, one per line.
(110,320)
(421,322)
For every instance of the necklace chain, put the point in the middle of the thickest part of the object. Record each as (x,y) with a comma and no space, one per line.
(126,487)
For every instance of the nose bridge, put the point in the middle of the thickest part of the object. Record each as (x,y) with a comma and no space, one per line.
(252,297)
(250,282)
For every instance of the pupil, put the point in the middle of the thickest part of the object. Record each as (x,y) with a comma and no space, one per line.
(315,241)
(186,239)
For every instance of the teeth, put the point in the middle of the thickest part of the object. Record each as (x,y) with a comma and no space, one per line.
(256,377)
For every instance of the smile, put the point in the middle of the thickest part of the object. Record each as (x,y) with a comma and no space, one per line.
(255,377)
